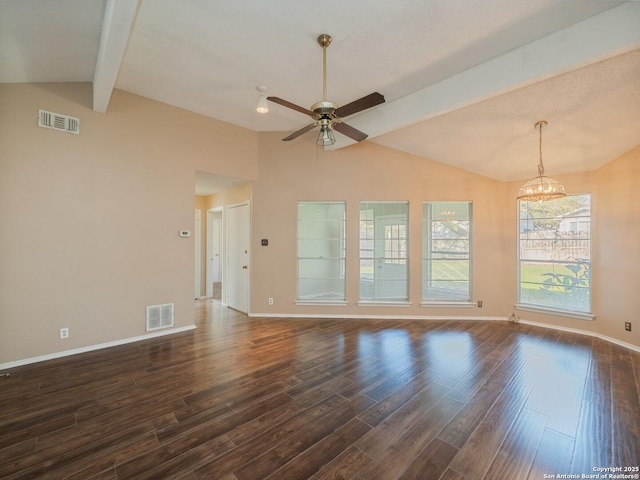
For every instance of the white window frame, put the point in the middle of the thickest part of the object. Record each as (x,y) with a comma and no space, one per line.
(321,298)
(448,209)
(386,254)
(580,223)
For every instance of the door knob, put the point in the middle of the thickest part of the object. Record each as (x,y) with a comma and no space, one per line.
(244,267)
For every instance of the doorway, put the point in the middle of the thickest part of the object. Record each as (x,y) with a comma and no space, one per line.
(214,253)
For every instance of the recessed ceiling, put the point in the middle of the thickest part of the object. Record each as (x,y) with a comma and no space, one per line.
(464,81)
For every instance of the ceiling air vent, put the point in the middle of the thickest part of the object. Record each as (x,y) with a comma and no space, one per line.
(56,121)
(159,316)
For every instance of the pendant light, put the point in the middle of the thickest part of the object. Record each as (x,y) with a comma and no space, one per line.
(541,188)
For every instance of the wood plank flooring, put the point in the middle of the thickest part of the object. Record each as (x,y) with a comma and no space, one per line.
(285,399)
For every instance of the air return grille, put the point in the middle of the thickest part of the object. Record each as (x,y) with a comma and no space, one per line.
(56,121)
(159,316)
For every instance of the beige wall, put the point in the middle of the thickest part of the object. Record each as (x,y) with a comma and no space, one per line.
(617,246)
(293,171)
(90,222)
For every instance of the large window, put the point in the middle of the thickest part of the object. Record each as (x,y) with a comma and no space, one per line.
(446,248)
(384,251)
(321,251)
(555,254)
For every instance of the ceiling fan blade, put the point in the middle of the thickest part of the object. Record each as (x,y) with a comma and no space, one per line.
(311,126)
(293,106)
(363,103)
(349,131)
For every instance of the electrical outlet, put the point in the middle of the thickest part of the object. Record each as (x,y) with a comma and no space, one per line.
(480,303)
(270,301)
(627,326)
(64,332)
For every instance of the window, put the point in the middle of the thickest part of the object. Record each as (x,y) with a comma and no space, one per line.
(395,243)
(384,251)
(446,247)
(555,254)
(321,252)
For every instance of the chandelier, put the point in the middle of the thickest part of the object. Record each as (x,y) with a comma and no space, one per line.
(541,188)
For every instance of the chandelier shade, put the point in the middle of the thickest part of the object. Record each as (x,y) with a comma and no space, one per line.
(541,188)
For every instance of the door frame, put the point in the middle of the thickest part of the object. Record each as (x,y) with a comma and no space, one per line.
(198,254)
(209,249)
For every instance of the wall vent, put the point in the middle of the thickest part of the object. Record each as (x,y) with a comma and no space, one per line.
(56,121)
(159,316)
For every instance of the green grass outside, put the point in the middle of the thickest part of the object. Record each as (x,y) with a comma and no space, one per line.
(532,291)
(450,270)
(532,275)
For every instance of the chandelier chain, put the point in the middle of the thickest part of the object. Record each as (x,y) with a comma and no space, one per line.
(540,124)
(540,165)
(541,188)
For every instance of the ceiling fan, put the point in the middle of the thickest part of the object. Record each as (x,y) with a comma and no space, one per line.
(327,114)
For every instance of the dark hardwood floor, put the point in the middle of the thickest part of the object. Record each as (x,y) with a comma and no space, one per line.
(249,399)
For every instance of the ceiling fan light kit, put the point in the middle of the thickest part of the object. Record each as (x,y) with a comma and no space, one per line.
(263,106)
(328,115)
(326,136)
(541,188)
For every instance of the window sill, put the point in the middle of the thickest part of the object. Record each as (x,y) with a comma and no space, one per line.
(374,303)
(464,304)
(555,311)
(321,303)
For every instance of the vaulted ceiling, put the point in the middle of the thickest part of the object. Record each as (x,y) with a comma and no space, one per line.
(464,81)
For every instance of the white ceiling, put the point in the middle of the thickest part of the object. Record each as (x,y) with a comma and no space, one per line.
(464,81)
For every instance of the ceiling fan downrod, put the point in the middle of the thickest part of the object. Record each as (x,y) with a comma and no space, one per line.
(324,40)
(325,107)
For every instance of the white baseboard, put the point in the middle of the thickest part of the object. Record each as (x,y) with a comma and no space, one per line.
(375,317)
(90,348)
(606,338)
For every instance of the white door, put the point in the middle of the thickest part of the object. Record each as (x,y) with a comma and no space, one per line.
(238,241)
